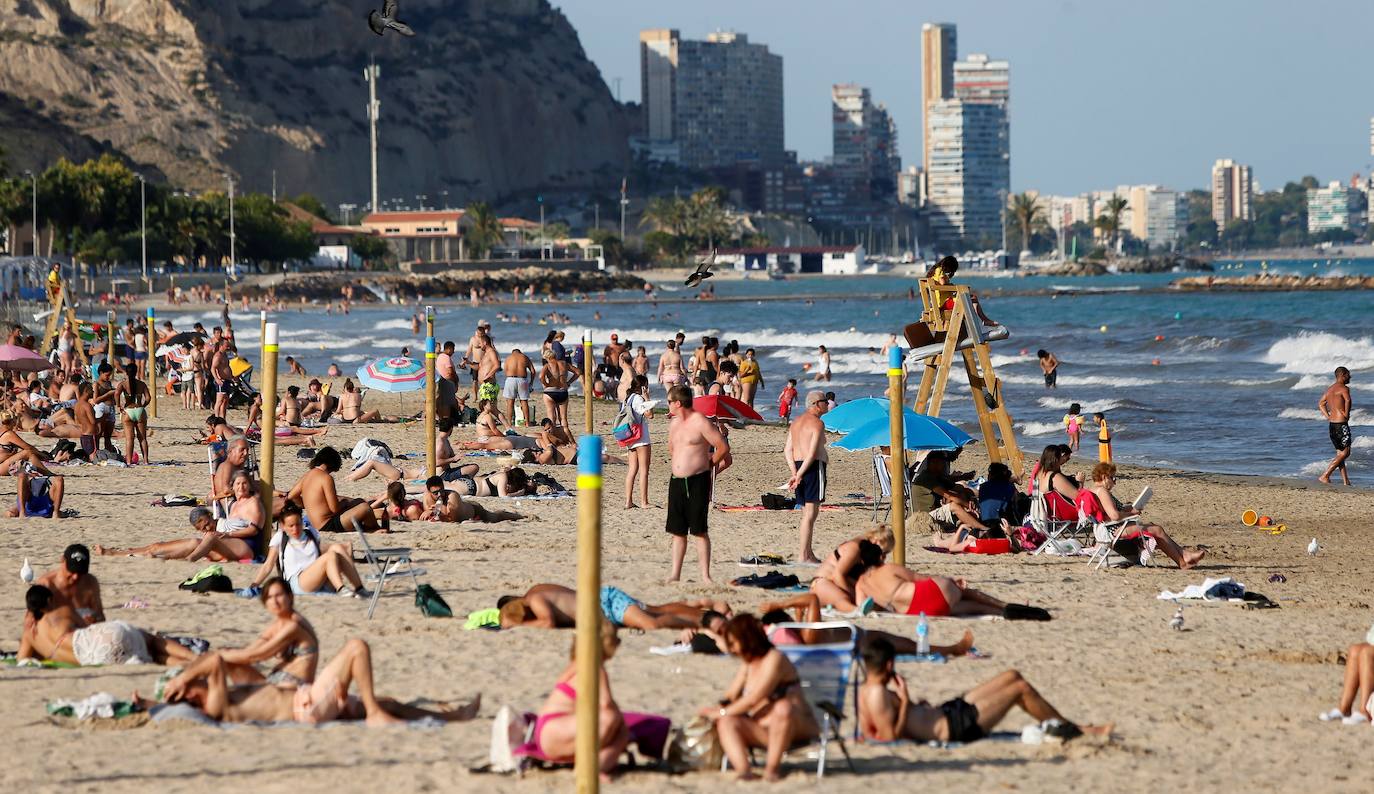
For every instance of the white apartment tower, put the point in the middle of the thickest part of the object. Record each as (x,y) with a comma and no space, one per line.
(1231,192)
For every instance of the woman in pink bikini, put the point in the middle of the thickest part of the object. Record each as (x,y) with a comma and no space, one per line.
(555,727)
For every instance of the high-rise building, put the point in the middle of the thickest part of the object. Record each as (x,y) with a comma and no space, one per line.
(979,79)
(1334,207)
(938,51)
(865,144)
(970,170)
(1231,192)
(720,100)
(910,186)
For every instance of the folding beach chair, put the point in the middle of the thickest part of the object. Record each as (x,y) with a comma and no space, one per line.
(825,671)
(1106,535)
(1042,519)
(882,480)
(390,562)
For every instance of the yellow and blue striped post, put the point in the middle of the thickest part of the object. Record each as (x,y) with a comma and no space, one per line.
(430,460)
(152,363)
(896,462)
(588,642)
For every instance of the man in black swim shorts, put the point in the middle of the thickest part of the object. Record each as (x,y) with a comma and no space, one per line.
(697,449)
(1335,406)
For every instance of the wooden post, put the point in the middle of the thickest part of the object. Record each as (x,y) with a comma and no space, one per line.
(267,466)
(896,462)
(109,338)
(430,463)
(587,370)
(588,641)
(152,363)
(429,321)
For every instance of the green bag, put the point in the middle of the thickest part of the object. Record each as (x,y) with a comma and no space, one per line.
(431,603)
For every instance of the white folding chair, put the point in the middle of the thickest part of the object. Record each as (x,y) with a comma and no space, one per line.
(1106,535)
(389,562)
(824,671)
(882,482)
(1040,519)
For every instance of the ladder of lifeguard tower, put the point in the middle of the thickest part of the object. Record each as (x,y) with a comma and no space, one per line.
(971,347)
(62,309)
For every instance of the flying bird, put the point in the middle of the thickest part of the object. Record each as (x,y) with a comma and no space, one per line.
(379,21)
(1313,547)
(702,272)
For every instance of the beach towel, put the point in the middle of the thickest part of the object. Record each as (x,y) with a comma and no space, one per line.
(1223,589)
(773,580)
(101,705)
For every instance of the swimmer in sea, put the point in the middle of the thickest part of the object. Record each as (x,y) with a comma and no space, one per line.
(1049,365)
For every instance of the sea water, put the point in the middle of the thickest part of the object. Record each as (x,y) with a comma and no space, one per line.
(1235,388)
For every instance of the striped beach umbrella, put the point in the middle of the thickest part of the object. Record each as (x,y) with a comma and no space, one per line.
(393,374)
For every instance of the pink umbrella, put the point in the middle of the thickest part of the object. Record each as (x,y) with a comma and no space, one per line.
(22,359)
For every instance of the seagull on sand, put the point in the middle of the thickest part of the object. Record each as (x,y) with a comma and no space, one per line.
(1312,547)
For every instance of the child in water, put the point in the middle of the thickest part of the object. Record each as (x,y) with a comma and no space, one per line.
(1073,425)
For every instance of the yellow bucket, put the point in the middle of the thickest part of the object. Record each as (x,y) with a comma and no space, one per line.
(1249,518)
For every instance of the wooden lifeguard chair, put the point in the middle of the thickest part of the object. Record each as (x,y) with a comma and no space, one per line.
(61,308)
(942,338)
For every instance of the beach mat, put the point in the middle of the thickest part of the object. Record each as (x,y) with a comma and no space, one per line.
(752,508)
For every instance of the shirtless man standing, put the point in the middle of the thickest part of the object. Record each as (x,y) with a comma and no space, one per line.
(1335,406)
(72,584)
(222,374)
(697,450)
(519,371)
(474,353)
(84,413)
(670,367)
(806,458)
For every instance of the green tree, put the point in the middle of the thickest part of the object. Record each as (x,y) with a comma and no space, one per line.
(1109,222)
(1029,216)
(707,224)
(666,214)
(486,231)
(312,205)
(370,248)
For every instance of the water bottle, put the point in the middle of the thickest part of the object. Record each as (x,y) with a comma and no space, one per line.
(922,636)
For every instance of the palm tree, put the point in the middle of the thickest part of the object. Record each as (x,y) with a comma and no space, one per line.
(486,230)
(666,214)
(1109,222)
(1029,215)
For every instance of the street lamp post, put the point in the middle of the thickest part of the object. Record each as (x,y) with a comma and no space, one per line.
(143,223)
(232,258)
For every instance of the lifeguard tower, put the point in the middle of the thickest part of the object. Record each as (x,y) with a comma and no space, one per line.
(61,308)
(950,331)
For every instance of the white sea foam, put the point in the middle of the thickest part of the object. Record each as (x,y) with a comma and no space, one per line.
(1318,353)
(1084,380)
(1358,418)
(1041,428)
(1256,382)
(1089,408)
(392,325)
(1320,382)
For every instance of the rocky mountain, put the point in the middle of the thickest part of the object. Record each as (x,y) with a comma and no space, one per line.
(491,98)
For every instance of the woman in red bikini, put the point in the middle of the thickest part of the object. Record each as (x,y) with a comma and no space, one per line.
(899,589)
(555,727)
(1061,494)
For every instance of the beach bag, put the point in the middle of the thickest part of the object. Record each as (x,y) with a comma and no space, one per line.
(1027,538)
(627,428)
(773,501)
(210,579)
(508,729)
(431,603)
(695,745)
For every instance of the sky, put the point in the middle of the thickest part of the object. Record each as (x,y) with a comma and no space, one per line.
(1104,93)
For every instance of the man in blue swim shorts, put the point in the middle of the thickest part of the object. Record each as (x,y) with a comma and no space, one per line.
(553,606)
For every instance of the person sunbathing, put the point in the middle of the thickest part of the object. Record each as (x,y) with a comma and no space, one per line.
(763,707)
(16,454)
(887,714)
(307,564)
(73,585)
(552,606)
(441,504)
(289,640)
(834,581)
(1096,502)
(56,633)
(807,609)
(218,540)
(1357,693)
(896,588)
(37,496)
(206,684)
(555,725)
(328,511)
(398,503)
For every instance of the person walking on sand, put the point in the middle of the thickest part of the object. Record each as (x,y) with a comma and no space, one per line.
(1335,406)
(806,458)
(697,450)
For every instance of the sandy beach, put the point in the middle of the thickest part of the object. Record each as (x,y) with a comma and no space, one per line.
(1234,698)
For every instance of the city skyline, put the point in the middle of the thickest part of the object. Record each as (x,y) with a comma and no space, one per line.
(1106,93)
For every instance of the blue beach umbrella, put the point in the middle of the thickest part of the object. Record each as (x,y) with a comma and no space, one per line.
(396,374)
(920,432)
(854,413)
